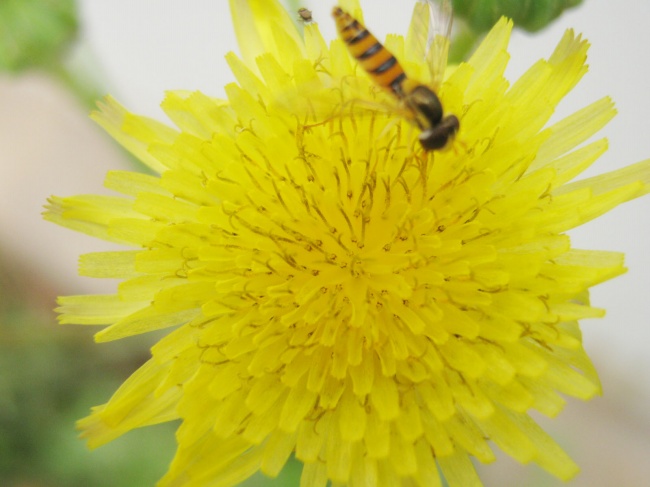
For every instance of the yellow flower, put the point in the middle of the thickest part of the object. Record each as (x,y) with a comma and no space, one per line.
(333,291)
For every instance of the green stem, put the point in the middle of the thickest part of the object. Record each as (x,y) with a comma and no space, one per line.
(463,43)
(78,84)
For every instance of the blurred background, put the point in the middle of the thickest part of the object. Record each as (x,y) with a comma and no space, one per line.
(58,56)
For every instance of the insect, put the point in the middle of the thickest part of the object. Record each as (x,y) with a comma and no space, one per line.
(419,100)
(305,15)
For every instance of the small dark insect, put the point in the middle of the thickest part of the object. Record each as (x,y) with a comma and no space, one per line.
(305,15)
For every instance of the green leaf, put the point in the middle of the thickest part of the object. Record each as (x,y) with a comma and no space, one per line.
(531,15)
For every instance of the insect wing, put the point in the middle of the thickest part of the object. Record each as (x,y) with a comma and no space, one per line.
(429,35)
(317,101)
(417,36)
(441,18)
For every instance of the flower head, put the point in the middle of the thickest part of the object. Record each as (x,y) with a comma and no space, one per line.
(337,293)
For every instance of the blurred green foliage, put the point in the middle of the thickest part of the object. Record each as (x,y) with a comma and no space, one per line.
(474,18)
(35,33)
(50,376)
(531,15)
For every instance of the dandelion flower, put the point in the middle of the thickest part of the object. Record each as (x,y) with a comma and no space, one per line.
(334,292)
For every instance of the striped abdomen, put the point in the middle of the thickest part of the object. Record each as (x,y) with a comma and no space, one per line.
(378,62)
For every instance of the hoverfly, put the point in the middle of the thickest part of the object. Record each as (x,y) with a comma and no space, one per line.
(419,100)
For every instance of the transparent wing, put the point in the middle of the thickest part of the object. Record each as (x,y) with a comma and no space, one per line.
(429,35)
(417,37)
(331,110)
(442,18)
(316,102)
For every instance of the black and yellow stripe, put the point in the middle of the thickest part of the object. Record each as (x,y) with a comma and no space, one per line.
(373,57)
